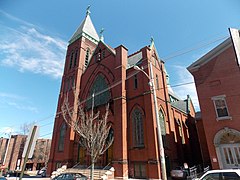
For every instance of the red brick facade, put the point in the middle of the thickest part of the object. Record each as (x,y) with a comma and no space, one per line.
(14,152)
(130,96)
(217,80)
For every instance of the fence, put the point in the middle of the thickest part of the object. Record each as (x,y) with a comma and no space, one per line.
(195,172)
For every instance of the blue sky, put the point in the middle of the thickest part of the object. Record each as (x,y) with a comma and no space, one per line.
(34,36)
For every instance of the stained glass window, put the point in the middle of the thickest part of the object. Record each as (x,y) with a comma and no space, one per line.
(162,122)
(101,92)
(138,135)
(61,137)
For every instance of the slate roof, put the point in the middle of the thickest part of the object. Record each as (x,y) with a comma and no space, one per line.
(181,105)
(86,29)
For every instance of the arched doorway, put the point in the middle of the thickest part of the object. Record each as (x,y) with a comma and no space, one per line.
(227,144)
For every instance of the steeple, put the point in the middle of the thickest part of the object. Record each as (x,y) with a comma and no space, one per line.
(86,29)
(101,35)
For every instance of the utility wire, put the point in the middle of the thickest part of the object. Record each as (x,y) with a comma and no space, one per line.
(180,53)
(176,54)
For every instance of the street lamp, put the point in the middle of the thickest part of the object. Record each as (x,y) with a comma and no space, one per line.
(159,133)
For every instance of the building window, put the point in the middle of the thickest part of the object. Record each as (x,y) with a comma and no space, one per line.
(95,57)
(75,58)
(162,122)
(87,57)
(62,137)
(157,82)
(163,127)
(135,82)
(71,59)
(67,84)
(103,54)
(58,165)
(139,170)
(138,135)
(101,92)
(73,83)
(220,106)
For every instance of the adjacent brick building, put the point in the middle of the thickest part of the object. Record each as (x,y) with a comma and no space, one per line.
(14,152)
(217,79)
(92,66)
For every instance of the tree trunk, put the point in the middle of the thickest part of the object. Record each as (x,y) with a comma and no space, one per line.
(92,170)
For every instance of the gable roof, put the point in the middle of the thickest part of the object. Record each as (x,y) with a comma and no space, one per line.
(87,30)
(210,55)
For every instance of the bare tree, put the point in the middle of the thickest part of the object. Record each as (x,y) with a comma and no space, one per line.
(42,152)
(26,127)
(92,129)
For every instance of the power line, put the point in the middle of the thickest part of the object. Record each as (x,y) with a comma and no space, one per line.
(46,124)
(176,54)
(45,135)
(180,53)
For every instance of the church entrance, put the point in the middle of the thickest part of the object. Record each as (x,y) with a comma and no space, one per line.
(227,144)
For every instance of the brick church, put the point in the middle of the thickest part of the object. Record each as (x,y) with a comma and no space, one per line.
(91,65)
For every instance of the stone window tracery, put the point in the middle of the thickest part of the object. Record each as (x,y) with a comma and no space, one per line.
(101,92)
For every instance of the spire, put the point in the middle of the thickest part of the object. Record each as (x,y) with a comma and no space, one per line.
(86,29)
(88,10)
(152,42)
(101,35)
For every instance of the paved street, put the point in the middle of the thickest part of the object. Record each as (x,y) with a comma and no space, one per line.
(28,178)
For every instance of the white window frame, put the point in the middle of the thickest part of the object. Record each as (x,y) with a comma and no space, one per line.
(221,97)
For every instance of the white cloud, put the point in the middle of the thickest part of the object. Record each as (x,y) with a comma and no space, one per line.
(8,100)
(13,18)
(9,95)
(26,48)
(186,85)
(23,107)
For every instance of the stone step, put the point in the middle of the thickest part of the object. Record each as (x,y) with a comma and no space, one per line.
(97,174)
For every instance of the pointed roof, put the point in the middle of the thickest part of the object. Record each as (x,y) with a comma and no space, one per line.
(86,29)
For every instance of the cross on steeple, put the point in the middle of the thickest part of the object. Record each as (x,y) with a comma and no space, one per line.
(101,34)
(152,39)
(88,10)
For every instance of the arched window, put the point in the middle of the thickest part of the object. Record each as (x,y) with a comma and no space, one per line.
(61,137)
(101,92)
(99,55)
(135,81)
(110,135)
(138,135)
(163,127)
(162,122)
(87,57)
(71,60)
(157,82)
(75,58)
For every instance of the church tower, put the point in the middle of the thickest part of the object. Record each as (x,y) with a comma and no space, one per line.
(80,49)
